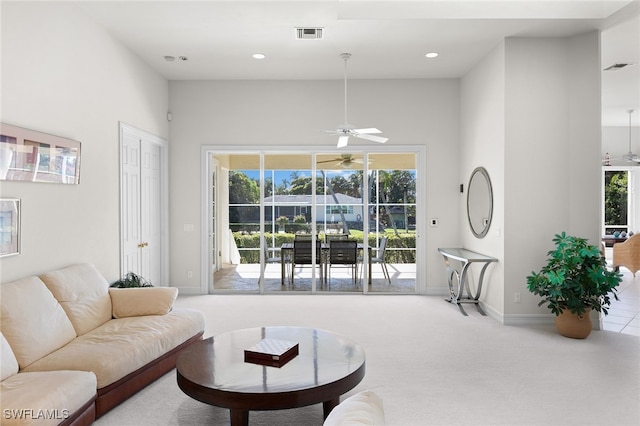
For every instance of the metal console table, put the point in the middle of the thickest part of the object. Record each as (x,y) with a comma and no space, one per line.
(457,290)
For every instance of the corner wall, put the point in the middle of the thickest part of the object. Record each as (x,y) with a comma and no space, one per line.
(63,75)
(552,156)
(531,116)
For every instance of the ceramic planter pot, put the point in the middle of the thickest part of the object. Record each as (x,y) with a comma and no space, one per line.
(575,326)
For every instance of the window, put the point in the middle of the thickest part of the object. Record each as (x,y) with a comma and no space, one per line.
(620,199)
(339,210)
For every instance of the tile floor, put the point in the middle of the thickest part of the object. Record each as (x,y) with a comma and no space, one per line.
(244,277)
(624,314)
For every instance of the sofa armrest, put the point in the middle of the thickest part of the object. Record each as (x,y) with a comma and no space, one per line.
(132,302)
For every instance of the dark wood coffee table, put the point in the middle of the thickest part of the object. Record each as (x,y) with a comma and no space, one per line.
(213,371)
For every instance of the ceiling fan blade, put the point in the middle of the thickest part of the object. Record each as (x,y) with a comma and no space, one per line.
(378,139)
(368,130)
(343,141)
(327,161)
(334,132)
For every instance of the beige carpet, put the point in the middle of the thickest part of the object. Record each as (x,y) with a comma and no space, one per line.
(430,365)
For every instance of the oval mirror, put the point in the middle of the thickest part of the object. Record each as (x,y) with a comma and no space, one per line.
(479,202)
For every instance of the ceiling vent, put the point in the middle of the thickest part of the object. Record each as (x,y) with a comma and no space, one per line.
(615,67)
(309,33)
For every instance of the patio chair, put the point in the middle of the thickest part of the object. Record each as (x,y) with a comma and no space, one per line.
(271,254)
(304,237)
(377,257)
(330,237)
(303,256)
(345,254)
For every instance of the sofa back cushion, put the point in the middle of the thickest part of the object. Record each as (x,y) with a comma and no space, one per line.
(32,320)
(83,293)
(8,361)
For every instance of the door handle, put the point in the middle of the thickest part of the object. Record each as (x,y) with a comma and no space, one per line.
(143,245)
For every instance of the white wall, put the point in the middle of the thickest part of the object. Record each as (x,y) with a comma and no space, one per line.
(293,113)
(552,156)
(63,75)
(483,144)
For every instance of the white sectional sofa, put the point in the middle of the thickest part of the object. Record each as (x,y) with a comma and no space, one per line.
(73,348)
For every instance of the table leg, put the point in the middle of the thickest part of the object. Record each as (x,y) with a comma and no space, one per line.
(327,406)
(282,269)
(239,417)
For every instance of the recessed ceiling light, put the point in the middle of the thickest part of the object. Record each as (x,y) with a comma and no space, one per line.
(169,58)
(258,56)
(432,55)
(183,58)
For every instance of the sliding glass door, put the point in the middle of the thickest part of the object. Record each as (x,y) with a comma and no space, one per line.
(284,212)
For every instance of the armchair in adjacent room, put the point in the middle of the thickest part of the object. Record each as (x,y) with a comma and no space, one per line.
(627,254)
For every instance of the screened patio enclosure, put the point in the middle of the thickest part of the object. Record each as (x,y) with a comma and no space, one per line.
(260,208)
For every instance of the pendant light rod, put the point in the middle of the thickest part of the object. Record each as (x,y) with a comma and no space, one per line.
(630,112)
(346,57)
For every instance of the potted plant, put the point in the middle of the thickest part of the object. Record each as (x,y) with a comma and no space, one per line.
(131,280)
(574,282)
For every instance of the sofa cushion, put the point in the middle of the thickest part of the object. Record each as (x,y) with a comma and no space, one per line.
(45,398)
(364,408)
(133,302)
(83,293)
(8,361)
(32,320)
(121,346)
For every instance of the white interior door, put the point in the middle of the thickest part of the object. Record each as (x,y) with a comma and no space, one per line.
(143,207)
(150,208)
(131,238)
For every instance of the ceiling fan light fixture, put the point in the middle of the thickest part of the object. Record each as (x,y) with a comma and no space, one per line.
(630,156)
(345,130)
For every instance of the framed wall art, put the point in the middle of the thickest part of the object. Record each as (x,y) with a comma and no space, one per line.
(27,155)
(9,226)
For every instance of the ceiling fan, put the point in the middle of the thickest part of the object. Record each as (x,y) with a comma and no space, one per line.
(345,161)
(345,130)
(630,156)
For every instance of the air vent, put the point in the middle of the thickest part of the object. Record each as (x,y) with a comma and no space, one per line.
(309,33)
(615,67)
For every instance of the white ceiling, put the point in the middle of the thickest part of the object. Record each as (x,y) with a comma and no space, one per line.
(387,39)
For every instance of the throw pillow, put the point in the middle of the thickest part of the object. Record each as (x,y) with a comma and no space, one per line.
(134,302)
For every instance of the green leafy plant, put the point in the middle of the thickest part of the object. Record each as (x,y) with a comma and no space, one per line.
(131,280)
(575,278)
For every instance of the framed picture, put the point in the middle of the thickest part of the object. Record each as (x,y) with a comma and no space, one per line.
(9,226)
(27,155)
